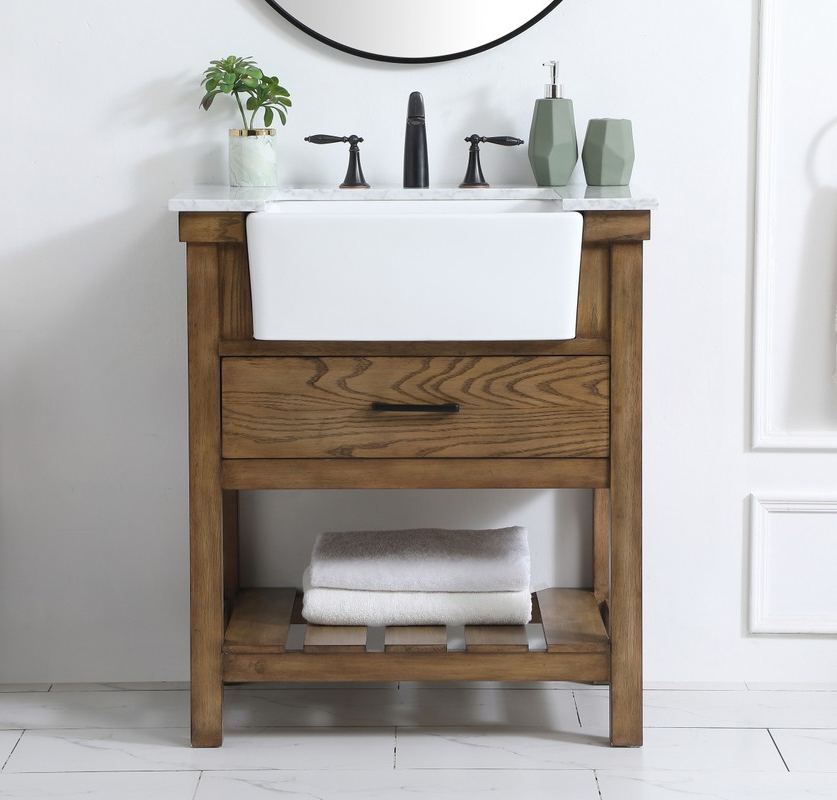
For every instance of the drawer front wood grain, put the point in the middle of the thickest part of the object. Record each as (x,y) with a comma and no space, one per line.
(509,407)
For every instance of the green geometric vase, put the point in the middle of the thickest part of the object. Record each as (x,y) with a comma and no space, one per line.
(608,152)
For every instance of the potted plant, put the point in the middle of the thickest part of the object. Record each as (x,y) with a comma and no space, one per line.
(252,151)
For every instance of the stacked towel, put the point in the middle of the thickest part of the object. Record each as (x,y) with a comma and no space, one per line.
(419,577)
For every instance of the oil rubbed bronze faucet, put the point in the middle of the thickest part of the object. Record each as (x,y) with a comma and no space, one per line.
(354,174)
(474,178)
(416,172)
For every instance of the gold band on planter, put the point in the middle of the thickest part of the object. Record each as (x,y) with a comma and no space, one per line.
(252,131)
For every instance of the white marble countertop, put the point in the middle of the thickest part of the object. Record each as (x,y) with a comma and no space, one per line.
(575,197)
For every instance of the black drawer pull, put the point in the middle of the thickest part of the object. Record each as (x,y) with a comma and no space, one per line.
(443,408)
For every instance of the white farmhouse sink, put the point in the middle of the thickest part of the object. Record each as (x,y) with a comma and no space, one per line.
(414,270)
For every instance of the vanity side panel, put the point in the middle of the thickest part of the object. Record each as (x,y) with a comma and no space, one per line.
(236,306)
(593,318)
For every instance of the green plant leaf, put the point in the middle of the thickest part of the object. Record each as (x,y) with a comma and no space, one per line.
(268,117)
(207,100)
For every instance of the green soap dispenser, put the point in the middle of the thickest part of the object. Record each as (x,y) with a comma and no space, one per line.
(553,145)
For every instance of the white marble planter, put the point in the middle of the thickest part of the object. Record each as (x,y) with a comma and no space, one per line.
(252,157)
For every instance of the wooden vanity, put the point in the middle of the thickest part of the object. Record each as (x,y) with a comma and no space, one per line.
(296,415)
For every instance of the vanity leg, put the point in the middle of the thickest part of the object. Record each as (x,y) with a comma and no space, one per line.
(626,496)
(206,504)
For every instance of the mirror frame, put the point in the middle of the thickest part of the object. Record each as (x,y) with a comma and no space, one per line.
(277,6)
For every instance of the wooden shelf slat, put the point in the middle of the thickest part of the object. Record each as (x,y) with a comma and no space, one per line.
(416,639)
(496,639)
(259,622)
(331,638)
(572,621)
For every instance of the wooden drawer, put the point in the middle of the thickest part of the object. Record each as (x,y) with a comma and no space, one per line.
(508,407)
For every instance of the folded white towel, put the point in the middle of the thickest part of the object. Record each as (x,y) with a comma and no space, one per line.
(350,607)
(424,560)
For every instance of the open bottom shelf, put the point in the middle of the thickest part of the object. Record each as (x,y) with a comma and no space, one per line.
(267,640)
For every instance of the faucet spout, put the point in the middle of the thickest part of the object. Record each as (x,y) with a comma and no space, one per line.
(416,172)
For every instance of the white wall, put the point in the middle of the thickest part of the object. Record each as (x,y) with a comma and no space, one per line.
(100,125)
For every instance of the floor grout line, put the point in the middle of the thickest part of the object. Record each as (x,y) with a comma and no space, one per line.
(770,734)
(3,768)
(577,712)
(598,787)
(198,784)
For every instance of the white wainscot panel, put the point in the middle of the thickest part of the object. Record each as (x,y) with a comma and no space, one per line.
(793,554)
(794,339)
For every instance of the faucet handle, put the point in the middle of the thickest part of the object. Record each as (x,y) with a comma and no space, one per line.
(506,141)
(354,174)
(474,178)
(324,138)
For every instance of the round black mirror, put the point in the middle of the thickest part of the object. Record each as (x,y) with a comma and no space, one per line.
(413,32)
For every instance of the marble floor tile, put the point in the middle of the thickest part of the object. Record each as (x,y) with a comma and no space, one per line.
(547,709)
(24,687)
(111,709)
(8,740)
(162,686)
(715,786)
(664,749)
(394,784)
(100,786)
(721,709)
(338,708)
(550,709)
(793,687)
(808,751)
(167,749)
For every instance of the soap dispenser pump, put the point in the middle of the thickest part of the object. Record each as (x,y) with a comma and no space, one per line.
(553,144)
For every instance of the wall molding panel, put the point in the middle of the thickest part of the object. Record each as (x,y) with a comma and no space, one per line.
(769,432)
(793,550)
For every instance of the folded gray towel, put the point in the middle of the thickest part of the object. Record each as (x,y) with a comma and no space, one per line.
(423,560)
